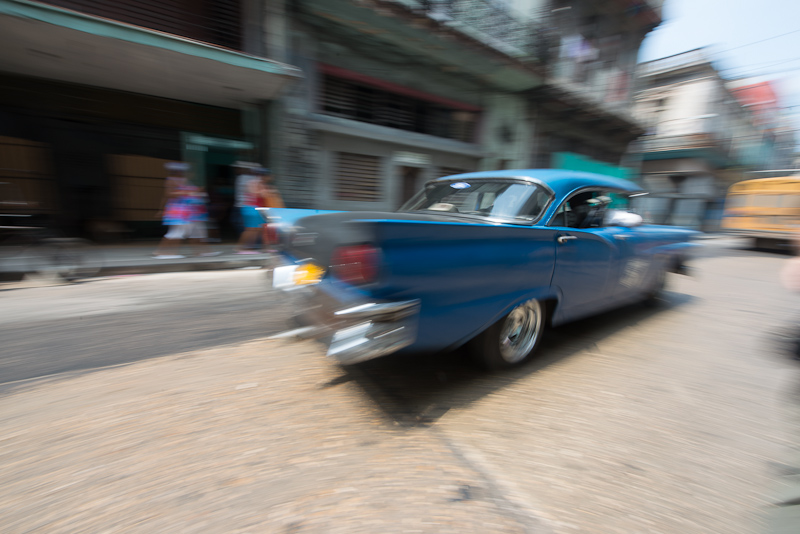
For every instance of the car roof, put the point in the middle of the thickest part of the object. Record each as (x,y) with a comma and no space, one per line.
(562,182)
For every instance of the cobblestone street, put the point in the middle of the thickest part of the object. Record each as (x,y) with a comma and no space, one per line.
(670,419)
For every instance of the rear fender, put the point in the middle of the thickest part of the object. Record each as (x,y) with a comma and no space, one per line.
(467,276)
(545,295)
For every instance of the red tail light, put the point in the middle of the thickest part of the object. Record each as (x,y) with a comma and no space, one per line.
(355,264)
(270,234)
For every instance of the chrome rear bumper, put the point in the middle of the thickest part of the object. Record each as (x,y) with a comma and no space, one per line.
(380,328)
(352,328)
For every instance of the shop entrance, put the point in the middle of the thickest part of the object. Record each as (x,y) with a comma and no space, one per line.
(409,180)
(212,162)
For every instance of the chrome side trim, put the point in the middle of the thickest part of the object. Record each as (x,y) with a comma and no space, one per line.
(385,311)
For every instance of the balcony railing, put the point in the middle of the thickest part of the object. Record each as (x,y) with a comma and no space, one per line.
(608,88)
(488,21)
(686,59)
(675,142)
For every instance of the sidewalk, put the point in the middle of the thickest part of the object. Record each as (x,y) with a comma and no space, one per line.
(136,258)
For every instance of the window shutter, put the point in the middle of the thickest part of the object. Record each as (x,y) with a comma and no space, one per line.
(357,177)
(216,22)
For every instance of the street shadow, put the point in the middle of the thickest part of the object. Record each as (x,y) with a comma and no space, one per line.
(417,389)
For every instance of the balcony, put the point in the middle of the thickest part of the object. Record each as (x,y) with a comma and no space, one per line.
(605,88)
(671,64)
(676,142)
(43,41)
(487,21)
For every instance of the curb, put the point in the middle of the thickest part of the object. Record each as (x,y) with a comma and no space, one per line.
(166,267)
(169,267)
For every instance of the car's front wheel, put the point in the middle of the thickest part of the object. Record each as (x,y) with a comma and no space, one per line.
(512,339)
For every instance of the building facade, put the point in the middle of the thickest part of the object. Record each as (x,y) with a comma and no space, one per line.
(699,140)
(398,92)
(96,95)
(761,97)
(583,110)
(354,104)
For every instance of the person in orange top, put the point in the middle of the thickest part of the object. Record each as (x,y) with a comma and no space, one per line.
(260,193)
(270,197)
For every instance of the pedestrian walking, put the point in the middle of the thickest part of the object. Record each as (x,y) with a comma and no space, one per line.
(252,198)
(259,193)
(174,211)
(270,198)
(244,175)
(184,213)
(197,231)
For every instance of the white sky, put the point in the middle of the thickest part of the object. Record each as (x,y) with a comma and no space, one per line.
(732,30)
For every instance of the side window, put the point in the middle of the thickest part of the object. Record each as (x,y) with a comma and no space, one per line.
(577,211)
(560,218)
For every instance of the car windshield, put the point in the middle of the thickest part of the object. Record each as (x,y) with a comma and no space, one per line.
(490,198)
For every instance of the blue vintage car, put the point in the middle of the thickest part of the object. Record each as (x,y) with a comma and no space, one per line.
(483,259)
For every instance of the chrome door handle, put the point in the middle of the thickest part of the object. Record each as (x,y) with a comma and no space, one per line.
(621,236)
(564,238)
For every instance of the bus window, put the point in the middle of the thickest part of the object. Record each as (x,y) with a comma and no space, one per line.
(765,201)
(737,201)
(790,201)
(767,209)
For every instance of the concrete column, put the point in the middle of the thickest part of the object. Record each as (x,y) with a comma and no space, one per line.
(276,29)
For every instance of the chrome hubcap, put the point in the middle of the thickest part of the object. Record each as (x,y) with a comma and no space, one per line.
(520,331)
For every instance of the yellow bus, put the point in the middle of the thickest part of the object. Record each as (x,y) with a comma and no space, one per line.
(766,209)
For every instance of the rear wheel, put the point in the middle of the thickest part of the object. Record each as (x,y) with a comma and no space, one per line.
(512,339)
(656,293)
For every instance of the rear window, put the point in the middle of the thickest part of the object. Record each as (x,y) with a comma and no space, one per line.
(512,200)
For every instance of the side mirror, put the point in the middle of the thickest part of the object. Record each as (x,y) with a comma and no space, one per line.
(626,219)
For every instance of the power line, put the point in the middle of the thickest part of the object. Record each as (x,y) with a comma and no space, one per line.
(758,42)
(781,71)
(756,66)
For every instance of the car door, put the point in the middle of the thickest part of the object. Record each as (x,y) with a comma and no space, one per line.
(586,263)
(634,266)
(634,270)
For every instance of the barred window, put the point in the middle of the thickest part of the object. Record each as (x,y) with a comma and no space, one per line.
(358,177)
(360,102)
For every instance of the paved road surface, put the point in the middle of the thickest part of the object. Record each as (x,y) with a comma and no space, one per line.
(53,329)
(667,420)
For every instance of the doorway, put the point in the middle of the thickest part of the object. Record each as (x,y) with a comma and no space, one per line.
(409,178)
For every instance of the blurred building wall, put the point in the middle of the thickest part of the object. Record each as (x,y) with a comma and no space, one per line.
(583,108)
(108,91)
(392,93)
(699,140)
(500,85)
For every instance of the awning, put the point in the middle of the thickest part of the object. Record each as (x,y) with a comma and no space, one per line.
(53,43)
